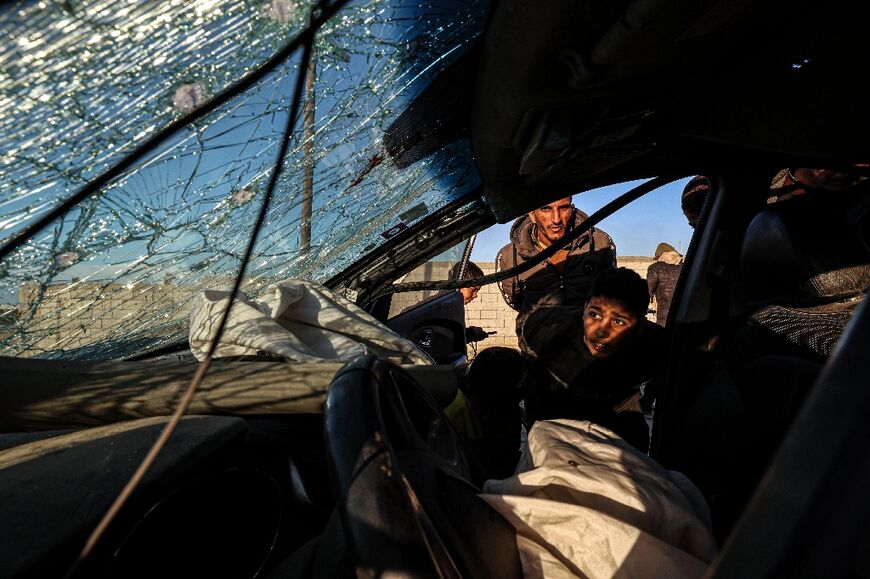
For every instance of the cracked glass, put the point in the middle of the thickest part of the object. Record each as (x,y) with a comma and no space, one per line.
(84,82)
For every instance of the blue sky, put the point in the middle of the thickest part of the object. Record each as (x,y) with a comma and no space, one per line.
(636,229)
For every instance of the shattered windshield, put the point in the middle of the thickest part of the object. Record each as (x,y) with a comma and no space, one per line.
(83,83)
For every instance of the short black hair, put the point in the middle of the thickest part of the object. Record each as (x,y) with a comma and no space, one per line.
(472,270)
(625,286)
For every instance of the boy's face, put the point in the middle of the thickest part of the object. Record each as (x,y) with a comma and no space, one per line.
(608,326)
(469,293)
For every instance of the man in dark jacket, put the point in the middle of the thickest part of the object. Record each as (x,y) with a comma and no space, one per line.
(661,278)
(564,279)
(597,357)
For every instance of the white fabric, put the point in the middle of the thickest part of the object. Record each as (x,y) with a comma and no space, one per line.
(586,503)
(298,320)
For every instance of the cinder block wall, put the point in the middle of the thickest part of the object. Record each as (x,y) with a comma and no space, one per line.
(75,315)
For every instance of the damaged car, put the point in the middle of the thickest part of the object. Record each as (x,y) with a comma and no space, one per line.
(230,235)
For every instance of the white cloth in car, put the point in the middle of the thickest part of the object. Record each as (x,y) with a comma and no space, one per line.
(298,320)
(586,503)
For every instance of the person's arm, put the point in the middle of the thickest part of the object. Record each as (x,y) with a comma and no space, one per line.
(476,334)
(511,290)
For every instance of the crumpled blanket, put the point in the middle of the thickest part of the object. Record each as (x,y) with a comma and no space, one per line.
(585,503)
(298,320)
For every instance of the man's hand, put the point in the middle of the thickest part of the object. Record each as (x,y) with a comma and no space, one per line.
(475,334)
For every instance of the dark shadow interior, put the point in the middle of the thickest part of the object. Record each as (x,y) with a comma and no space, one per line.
(778,298)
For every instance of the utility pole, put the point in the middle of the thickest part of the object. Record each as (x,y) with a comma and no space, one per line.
(308,153)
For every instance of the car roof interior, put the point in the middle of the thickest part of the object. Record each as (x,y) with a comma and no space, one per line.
(585,94)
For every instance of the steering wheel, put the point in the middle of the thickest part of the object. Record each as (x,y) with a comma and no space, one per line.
(405,482)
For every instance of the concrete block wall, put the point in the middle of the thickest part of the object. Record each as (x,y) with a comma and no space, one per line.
(80,314)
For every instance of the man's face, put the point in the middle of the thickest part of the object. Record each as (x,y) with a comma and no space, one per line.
(469,293)
(608,326)
(552,220)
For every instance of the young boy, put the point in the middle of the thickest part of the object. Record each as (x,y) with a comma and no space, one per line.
(594,359)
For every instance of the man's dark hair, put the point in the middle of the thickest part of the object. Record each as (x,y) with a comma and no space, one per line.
(625,286)
(472,270)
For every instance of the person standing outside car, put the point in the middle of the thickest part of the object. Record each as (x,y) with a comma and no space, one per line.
(563,279)
(661,279)
(469,294)
(693,198)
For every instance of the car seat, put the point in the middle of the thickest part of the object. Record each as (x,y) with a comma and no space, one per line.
(406,484)
(801,288)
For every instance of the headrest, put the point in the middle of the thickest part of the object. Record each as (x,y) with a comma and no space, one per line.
(799,257)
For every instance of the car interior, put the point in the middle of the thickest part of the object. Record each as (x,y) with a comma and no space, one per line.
(338,469)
